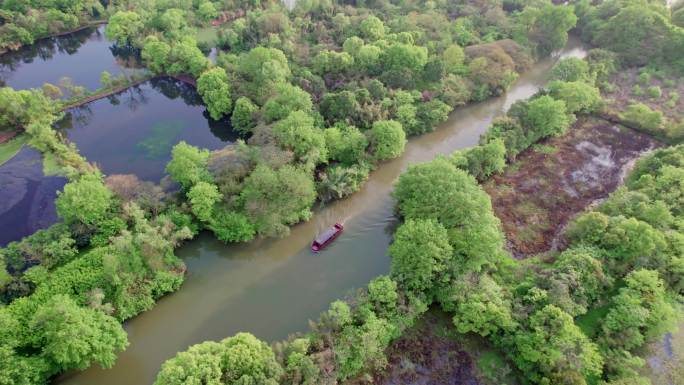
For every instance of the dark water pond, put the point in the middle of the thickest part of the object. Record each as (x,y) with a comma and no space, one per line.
(81,56)
(133,132)
(26,196)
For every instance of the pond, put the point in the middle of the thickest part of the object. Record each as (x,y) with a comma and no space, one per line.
(272,287)
(133,132)
(80,56)
(27,196)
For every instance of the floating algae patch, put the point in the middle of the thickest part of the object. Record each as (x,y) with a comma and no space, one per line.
(163,136)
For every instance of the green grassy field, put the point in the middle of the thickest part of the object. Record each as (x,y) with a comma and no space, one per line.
(9,149)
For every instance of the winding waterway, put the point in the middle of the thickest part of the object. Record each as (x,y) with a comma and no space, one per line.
(271,287)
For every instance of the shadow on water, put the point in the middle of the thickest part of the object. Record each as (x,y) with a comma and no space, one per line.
(271,287)
(133,132)
(81,56)
(27,196)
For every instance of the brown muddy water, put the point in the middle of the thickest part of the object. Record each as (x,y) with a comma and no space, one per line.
(272,287)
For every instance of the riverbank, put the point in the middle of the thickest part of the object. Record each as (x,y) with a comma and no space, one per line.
(95,23)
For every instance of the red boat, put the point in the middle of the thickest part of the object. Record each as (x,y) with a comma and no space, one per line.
(326,237)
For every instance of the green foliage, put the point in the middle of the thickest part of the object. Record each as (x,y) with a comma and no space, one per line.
(387,139)
(262,69)
(213,86)
(230,226)
(244,115)
(73,336)
(546,116)
(578,96)
(123,27)
(636,33)
(453,58)
(482,161)
(420,255)
(288,98)
(85,200)
(572,69)
(338,181)
(552,347)
(643,117)
(372,28)
(203,196)
(479,306)
(188,165)
(331,62)
(339,106)
(438,190)
(241,359)
(276,198)
(547,26)
(298,133)
(345,144)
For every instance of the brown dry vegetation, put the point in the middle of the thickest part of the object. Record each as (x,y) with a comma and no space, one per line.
(424,357)
(549,184)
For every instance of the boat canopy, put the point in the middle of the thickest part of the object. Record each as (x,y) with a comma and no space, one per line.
(327,234)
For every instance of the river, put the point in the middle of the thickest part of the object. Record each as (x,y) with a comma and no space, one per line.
(271,287)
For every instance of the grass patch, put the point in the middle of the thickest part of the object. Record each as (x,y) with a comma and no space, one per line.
(51,166)
(10,148)
(544,149)
(207,35)
(589,323)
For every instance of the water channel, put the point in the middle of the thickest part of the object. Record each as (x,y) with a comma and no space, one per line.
(271,287)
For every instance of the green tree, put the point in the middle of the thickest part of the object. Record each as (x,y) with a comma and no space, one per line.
(372,28)
(438,190)
(420,253)
(578,96)
(86,200)
(241,359)
(203,196)
(213,86)
(479,305)
(552,347)
(298,133)
(288,98)
(244,115)
(339,106)
(550,26)
(453,59)
(73,337)
(637,33)
(387,139)
(188,165)
(572,69)
(331,62)
(275,198)
(545,117)
(155,54)
(123,27)
(207,11)
(482,161)
(345,143)
(263,68)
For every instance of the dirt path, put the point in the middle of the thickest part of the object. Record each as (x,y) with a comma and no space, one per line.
(537,195)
